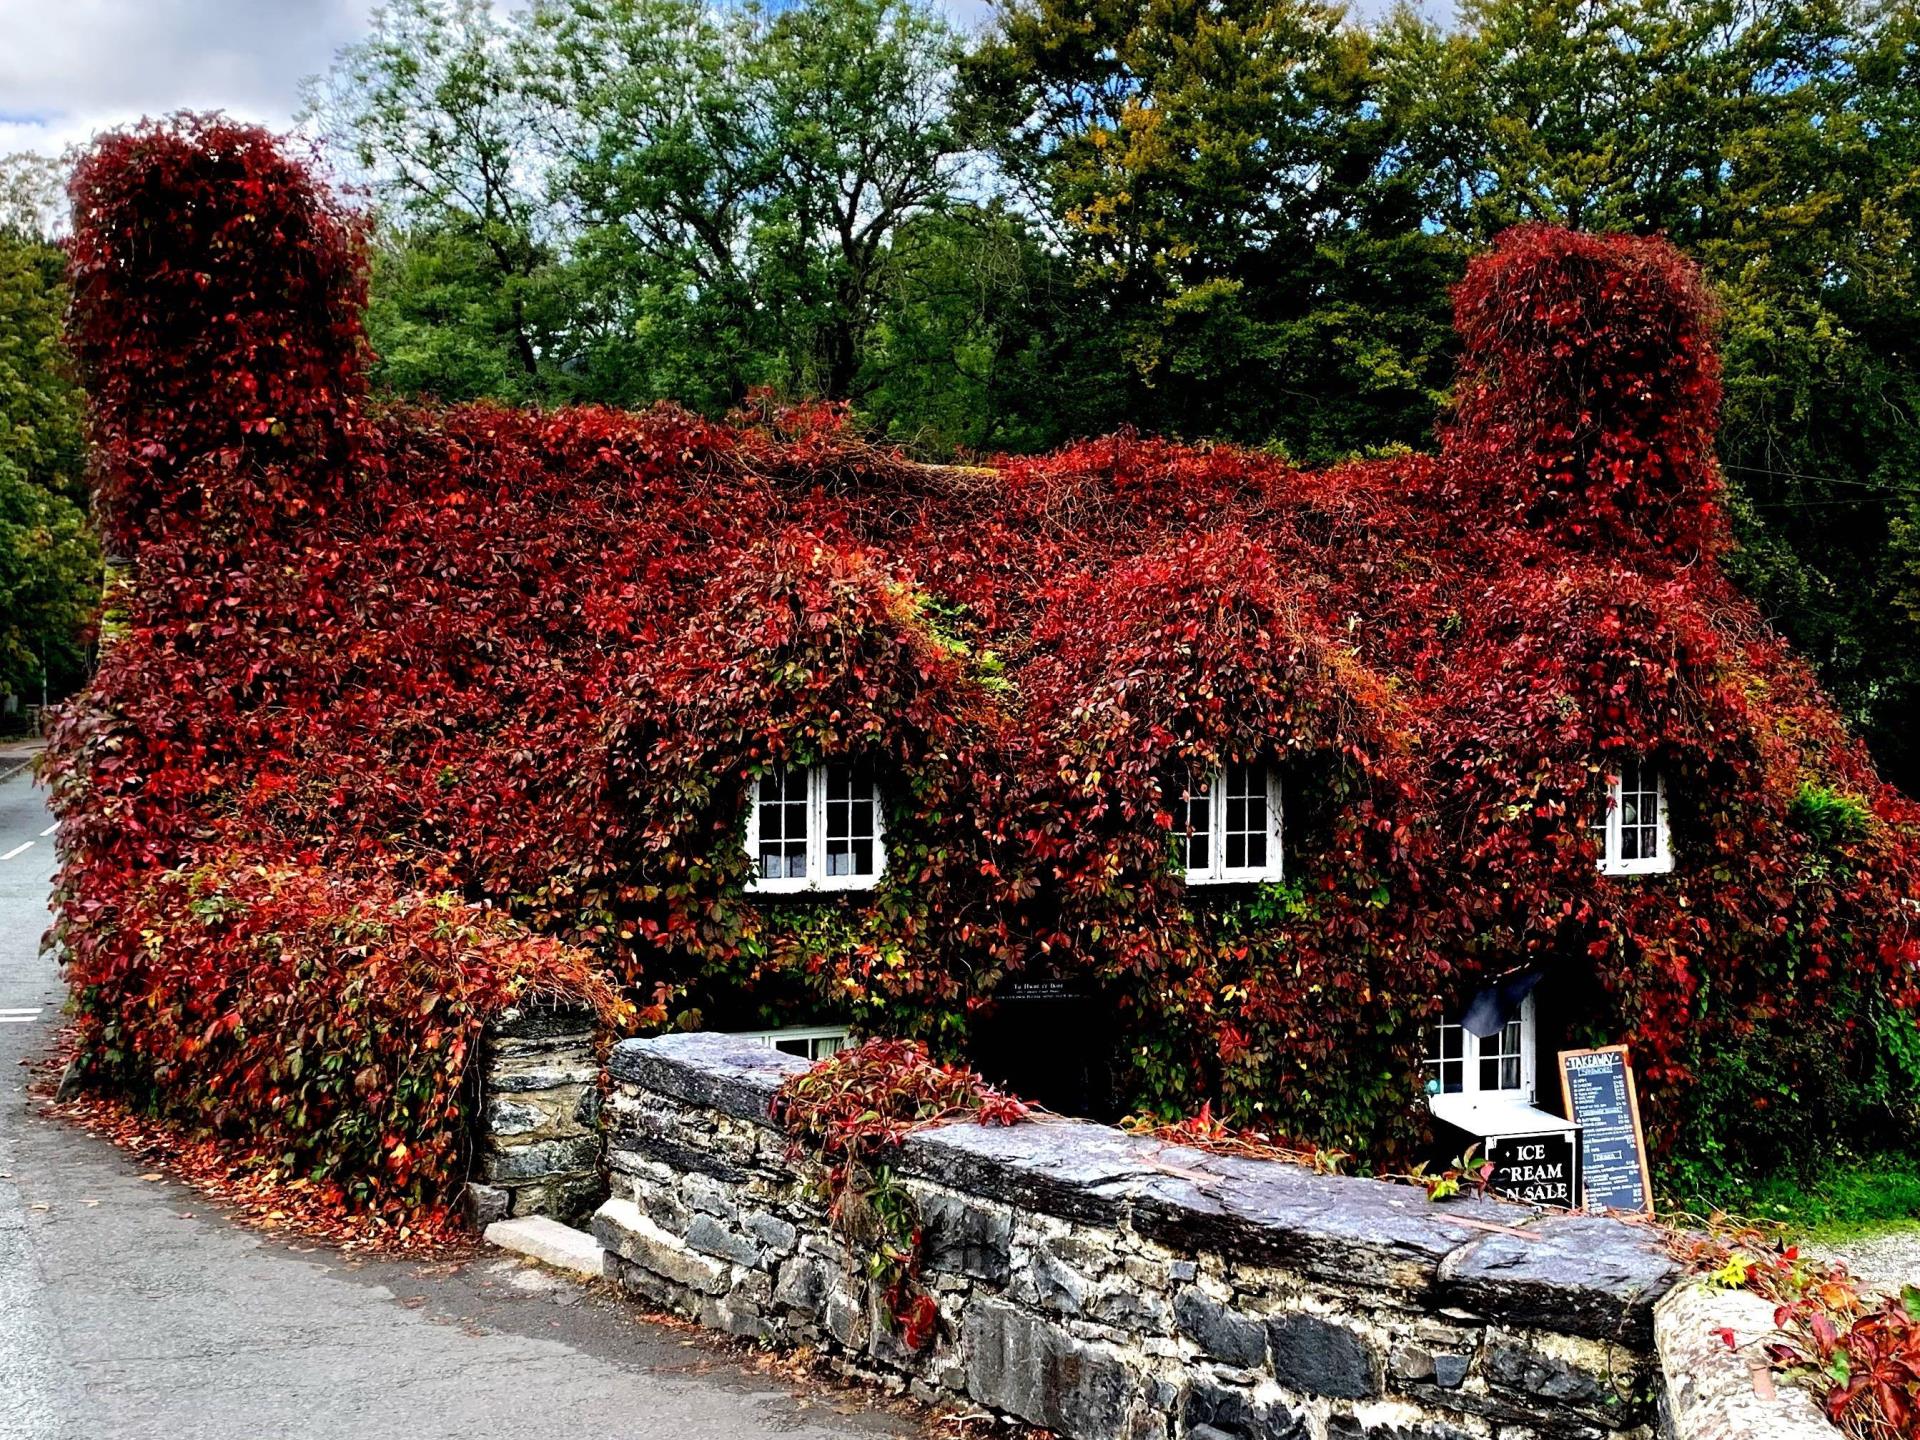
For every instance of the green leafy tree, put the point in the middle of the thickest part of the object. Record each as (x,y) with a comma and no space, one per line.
(975,342)
(739,177)
(1217,175)
(49,559)
(432,108)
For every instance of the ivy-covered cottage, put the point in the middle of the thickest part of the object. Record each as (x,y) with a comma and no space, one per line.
(1146,774)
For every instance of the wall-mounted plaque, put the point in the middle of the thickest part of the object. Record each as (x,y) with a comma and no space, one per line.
(1597,1086)
(1542,1169)
(1044,989)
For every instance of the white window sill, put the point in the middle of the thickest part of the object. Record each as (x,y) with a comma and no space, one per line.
(1660,865)
(1233,877)
(1493,1113)
(803,886)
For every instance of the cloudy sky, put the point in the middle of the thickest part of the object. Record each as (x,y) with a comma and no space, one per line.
(71,67)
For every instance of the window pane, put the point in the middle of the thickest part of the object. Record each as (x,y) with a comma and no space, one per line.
(1500,1059)
(781,820)
(851,821)
(1639,811)
(1246,827)
(1446,1058)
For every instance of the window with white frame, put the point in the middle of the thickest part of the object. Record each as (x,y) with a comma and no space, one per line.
(1630,819)
(1458,1062)
(1226,825)
(815,827)
(809,1042)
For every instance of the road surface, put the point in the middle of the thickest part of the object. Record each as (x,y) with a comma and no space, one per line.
(131,1308)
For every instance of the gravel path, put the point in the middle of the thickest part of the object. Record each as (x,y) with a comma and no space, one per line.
(1886,1261)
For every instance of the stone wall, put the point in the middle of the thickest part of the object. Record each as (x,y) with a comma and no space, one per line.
(539,1143)
(1106,1286)
(1716,1383)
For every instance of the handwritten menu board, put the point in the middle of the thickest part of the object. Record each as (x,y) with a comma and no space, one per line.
(1598,1088)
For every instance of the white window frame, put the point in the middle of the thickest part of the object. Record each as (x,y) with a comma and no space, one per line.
(816,877)
(820,1040)
(1612,861)
(1216,871)
(1470,1058)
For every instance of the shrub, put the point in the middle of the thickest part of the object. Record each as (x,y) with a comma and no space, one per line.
(325,1023)
(852,1111)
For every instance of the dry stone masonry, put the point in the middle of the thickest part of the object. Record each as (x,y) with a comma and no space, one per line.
(540,1110)
(1105,1285)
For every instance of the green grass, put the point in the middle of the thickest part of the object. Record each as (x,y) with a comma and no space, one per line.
(1850,1198)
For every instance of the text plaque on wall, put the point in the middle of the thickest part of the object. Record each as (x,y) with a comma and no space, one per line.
(1597,1086)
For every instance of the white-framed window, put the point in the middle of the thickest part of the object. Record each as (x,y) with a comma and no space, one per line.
(816,827)
(809,1042)
(1226,825)
(1502,1064)
(1630,819)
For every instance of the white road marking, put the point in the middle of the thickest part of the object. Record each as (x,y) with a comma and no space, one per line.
(50,829)
(20,1017)
(16,850)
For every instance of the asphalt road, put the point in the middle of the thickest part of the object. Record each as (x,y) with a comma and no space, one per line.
(132,1308)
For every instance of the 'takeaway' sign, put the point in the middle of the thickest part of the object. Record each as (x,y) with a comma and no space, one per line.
(1598,1088)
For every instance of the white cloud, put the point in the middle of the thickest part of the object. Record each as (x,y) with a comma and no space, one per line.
(69,68)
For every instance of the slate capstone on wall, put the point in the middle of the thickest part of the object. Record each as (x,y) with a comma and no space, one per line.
(1105,1285)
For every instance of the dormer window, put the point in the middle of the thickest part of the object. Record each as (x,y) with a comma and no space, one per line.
(815,827)
(1630,820)
(1226,825)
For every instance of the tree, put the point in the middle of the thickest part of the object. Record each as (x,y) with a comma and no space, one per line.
(49,559)
(738,177)
(431,105)
(1214,171)
(974,344)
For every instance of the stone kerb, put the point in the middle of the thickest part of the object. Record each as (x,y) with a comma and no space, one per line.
(539,1140)
(1106,1285)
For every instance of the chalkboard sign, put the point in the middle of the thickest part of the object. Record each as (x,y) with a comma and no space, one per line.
(1597,1086)
(1540,1169)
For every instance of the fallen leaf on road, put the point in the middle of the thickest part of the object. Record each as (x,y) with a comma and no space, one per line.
(90,1203)
(39,1207)
(153,1175)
